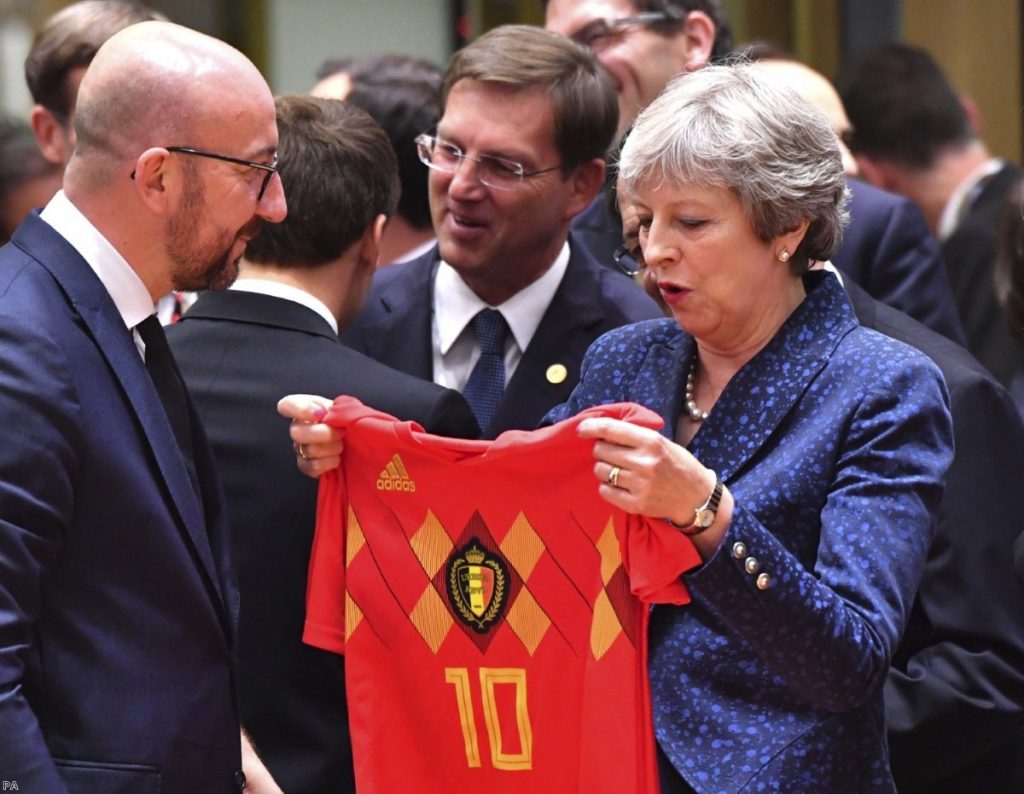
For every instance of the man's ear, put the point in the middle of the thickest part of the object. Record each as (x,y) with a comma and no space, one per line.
(875,172)
(586,180)
(50,134)
(156,181)
(369,245)
(699,33)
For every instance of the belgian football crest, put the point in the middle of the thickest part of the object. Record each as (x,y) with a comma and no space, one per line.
(478,585)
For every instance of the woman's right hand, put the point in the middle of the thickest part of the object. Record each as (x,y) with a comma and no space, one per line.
(318,446)
(642,472)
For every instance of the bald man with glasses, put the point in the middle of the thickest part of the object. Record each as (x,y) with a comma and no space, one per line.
(505,305)
(118,600)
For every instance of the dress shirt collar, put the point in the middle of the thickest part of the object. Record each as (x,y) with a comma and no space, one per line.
(289,293)
(965,195)
(414,253)
(130,296)
(455,304)
(834,271)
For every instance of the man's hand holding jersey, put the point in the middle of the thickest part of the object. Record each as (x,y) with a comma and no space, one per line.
(317,445)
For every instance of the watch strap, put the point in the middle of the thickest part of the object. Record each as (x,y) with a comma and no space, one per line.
(710,505)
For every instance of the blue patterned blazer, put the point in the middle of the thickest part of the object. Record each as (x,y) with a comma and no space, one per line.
(834,441)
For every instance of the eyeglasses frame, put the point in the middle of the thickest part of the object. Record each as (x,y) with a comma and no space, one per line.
(645,19)
(270,168)
(627,262)
(425,142)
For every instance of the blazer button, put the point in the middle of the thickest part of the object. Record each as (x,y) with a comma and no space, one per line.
(764,581)
(751,565)
(239,781)
(739,550)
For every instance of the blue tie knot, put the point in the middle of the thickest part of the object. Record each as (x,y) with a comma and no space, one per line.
(491,329)
(486,383)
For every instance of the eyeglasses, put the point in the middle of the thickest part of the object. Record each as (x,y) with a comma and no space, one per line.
(629,260)
(600,32)
(494,172)
(270,168)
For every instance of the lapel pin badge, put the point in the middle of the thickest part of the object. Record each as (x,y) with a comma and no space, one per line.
(556,373)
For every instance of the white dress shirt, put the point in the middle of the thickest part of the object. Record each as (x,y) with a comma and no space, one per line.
(455,305)
(965,195)
(288,292)
(130,296)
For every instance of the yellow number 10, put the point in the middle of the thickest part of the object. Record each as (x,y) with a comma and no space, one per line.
(491,677)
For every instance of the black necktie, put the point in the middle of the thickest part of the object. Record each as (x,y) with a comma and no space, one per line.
(164,373)
(486,382)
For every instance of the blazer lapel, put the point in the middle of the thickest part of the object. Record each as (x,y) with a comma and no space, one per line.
(762,393)
(662,379)
(90,299)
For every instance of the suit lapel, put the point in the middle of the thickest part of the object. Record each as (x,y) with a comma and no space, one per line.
(90,299)
(761,394)
(402,336)
(550,366)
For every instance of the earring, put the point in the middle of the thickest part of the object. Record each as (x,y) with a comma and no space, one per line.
(783,255)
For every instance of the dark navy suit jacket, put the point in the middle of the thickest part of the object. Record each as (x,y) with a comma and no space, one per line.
(834,441)
(889,251)
(954,700)
(970,254)
(240,353)
(117,601)
(1018,558)
(394,328)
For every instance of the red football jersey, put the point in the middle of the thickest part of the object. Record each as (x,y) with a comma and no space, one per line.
(481,594)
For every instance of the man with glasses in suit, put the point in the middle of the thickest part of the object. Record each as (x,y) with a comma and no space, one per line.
(507,303)
(118,601)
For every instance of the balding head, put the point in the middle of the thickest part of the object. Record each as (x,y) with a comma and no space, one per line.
(817,90)
(177,134)
(160,84)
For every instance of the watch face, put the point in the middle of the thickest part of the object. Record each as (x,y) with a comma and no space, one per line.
(705,518)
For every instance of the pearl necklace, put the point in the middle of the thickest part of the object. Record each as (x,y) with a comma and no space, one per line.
(695,413)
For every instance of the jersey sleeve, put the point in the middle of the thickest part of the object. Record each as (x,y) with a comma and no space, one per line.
(656,556)
(325,589)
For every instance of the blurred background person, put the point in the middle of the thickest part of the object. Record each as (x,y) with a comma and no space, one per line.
(60,54)
(1009,275)
(403,95)
(912,135)
(1010,291)
(778,409)
(27,179)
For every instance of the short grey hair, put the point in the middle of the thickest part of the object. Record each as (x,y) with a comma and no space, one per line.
(730,127)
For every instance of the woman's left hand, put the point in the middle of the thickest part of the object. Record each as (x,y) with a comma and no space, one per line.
(642,472)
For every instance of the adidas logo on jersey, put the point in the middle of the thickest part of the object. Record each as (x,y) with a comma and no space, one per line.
(394,477)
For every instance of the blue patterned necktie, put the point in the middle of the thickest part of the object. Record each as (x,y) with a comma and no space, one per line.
(486,382)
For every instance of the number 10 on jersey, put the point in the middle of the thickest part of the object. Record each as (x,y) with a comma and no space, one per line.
(491,679)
